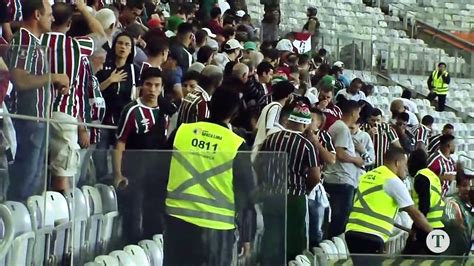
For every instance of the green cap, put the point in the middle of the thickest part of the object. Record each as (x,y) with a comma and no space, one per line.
(326,82)
(250,46)
(173,23)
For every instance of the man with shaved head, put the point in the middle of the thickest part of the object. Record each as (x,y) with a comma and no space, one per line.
(397,107)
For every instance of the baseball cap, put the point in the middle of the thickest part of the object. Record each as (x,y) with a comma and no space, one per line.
(209,32)
(174,22)
(250,46)
(300,114)
(284,45)
(212,43)
(339,64)
(232,44)
(326,81)
(106,17)
(197,67)
(240,13)
(154,23)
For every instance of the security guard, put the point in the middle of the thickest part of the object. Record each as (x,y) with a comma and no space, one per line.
(381,193)
(438,83)
(427,196)
(209,181)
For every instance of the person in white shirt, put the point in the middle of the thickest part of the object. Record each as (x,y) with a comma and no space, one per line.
(354,91)
(409,104)
(232,51)
(397,107)
(270,115)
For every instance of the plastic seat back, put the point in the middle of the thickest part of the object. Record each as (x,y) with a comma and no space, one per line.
(43,226)
(153,251)
(341,247)
(79,215)
(22,237)
(110,211)
(62,228)
(106,260)
(138,255)
(7,232)
(123,257)
(95,221)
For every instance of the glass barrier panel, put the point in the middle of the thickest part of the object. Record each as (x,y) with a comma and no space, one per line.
(182,207)
(390,54)
(321,258)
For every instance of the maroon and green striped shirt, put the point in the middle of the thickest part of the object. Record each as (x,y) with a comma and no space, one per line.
(26,53)
(422,134)
(66,57)
(301,155)
(385,136)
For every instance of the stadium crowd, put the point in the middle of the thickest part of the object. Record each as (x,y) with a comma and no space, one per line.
(150,73)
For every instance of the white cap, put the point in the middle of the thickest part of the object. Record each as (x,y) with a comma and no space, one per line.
(106,17)
(212,43)
(240,13)
(197,67)
(170,34)
(339,64)
(285,45)
(166,14)
(232,44)
(209,32)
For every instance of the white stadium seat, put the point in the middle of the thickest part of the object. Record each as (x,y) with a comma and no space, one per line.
(123,258)
(105,260)
(21,249)
(43,226)
(110,212)
(138,255)
(62,228)
(95,220)
(153,251)
(79,215)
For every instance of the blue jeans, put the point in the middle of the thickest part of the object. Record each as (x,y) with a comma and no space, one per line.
(340,199)
(317,216)
(27,171)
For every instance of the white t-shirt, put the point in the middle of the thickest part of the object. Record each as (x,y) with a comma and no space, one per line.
(268,120)
(399,192)
(409,105)
(356,97)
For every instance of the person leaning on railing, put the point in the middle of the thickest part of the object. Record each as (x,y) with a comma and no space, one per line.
(379,197)
(427,197)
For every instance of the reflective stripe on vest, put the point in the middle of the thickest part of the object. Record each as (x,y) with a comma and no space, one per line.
(373,210)
(440,87)
(435,214)
(200,189)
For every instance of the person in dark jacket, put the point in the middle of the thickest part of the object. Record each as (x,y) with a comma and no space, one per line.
(182,42)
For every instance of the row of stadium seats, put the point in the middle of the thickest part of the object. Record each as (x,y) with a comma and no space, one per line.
(457,16)
(343,22)
(53,229)
(335,251)
(146,253)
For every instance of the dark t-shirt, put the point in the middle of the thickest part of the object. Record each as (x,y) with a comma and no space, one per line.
(117,95)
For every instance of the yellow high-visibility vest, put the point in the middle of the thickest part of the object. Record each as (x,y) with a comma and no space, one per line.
(200,186)
(374,210)
(435,214)
(440,87)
